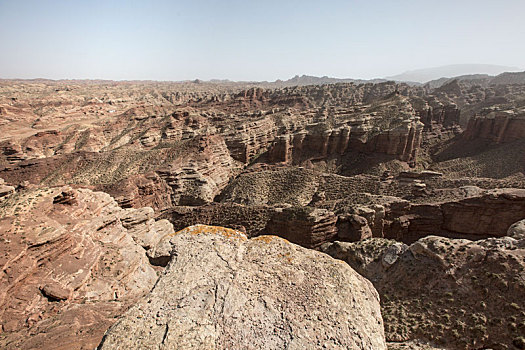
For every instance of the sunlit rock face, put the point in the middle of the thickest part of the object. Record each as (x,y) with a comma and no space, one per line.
(223,291)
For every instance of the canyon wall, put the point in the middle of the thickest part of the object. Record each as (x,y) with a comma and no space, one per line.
(498,129)
(358,135)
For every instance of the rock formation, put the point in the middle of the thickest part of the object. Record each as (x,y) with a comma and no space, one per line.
(97,175)
(307,226)
(72,261)
(517,230)
(5,190)
(222,291)
(498,129)
(455,293)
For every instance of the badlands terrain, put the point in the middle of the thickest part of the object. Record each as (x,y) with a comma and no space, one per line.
(221,215)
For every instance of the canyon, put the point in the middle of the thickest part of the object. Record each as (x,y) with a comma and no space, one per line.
(397,206)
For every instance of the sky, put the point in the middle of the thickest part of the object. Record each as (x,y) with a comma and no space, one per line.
(253,40)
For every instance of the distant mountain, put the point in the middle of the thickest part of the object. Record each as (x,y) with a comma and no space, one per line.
(509,78)
(428,74)
(312,80)
(480,79)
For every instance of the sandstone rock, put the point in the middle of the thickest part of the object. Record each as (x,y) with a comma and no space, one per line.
(55,292)
(134,217)
(6,190)
(66,197)
(403,141)
(498,129)
(222,291)
(475,214)
(309,227)
(490,214)
(145,230)
(70,266)
(353,228)
(392,253)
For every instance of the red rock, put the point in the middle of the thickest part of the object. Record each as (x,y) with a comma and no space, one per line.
(69,266)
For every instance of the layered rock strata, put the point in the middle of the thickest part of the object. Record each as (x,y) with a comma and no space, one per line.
(309,227)
(497,129)
(358,136)
(72,261)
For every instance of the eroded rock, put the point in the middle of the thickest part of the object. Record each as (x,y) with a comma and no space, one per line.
(438,286)
(517,230)
(70,265)
(223,291)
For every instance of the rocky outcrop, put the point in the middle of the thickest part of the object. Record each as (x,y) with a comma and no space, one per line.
(403,141)
(406,207)
(489,214)
(316,144)
(474,213)
(5,190)
(440,116)
(454,293)
(353,228)
(497,129)
(307,226)
(517,230)
(159,177)
(199,178)
(249,140)
(482,215)
(253,219)
(223,291)
(355,135)
(139,191)
(72,260)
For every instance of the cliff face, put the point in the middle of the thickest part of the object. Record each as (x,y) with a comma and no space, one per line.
(498,129)
(480,215)
(445,116)
(314,144)
(309,227)
(403,142)
(356,135)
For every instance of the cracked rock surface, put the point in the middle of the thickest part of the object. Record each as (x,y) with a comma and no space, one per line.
(224,291)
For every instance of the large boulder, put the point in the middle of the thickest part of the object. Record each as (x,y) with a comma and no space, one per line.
(224,291)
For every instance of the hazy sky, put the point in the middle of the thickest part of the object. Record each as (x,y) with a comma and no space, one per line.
(253,40)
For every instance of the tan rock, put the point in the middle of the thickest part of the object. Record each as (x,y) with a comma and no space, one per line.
(6,190)
(223,291)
